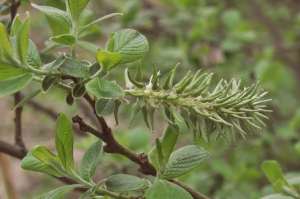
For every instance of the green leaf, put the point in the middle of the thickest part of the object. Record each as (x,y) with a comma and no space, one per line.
(8,71)
(6,50)
(58,193)
(57,28)
(65,39)
(5,8)
(272,170)
(33,56)
(55,14)
(48,82)
(47,157)
(76,7)
(78,91)
(110,44)
(104,88)
(14,84)
(15,25)
(74,68)
(90,160)
(22,40)
(29,162)
(168,141)
(131,45)
(55,64)
(70,98)
(27,98)
(162,189)
(105,107)
(185,160)
(64,140)
(160,157)
(123,183)
(88,46)
(108,60)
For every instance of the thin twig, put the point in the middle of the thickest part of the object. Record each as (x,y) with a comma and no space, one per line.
(18,123)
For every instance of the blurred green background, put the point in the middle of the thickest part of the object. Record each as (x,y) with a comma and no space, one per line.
(253,40)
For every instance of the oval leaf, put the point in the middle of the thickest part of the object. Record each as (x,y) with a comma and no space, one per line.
(55,64)
(90,160)
(162,189)
(185,160)
(105,107)
(64,39)
(27,98)
(64,140)
(58,193)
(78,91)
(74,68)
(130,44)
(33,56)
(104,88)
(122,183)
(70,99)
(55,14)
(14,84)
(108,60)
(48,83)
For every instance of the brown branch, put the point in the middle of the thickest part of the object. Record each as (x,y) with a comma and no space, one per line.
(18,123)
(194,193)
(113,146)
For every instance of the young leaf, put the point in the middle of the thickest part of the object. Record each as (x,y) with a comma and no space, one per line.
(58,193)
(104,88)
(110,44)
(108,60)
(94,68)
(64,140)
(78,91)
(131,45)
(27,98)
(185,160)
(74,68)
(90,160)
(14,84)
(160,157)
(162,189)
(65,39)
(6,50)
(48,83)
(47,157)
(168,141)
(272,170)
(29,162)
(55,14)
(15,25)
(33,57)
(105,107)
(70,98)
(123,183)
(116,109)
(76,7)
(22,39)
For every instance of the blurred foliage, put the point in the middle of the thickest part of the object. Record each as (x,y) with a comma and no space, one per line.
(247,39)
